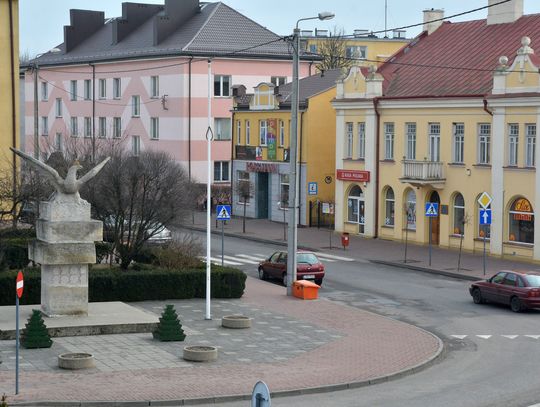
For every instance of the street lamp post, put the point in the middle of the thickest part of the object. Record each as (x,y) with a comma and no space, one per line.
(293,194)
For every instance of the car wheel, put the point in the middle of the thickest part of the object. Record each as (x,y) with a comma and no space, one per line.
(516,305)
(285,279)
(477,296)
(262,274)
(318,281)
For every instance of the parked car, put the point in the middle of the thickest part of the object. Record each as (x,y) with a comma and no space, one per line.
(309,267)
(520,291)
(158,234)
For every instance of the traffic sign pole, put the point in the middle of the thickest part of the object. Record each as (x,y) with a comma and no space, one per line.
(16,344)
(484,260)
(222,241)
(429,241)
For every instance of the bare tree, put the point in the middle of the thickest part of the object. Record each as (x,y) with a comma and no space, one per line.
(332,50)
(244,189)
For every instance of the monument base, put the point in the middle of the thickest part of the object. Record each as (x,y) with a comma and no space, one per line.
(64,289)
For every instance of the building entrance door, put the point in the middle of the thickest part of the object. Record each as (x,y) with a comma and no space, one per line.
(435,220)
(262,195)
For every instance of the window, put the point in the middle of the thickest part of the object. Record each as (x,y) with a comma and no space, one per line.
(58,107)
(278,80)
(313,48)
(154,86)
(484,135)
(355,207)
(44,126)
(513,135)
(410,150)
(221,171)
(357,52)
(58,142)
(483,230)
(389,205)
(154,128)
(388,141)
(117,127)
(349,141)
(459,142)
(44,91)
(284,191)
(499,278)
(263,132)
(222,129)
(87,127)
(117,88)
(103,88)
(135,106)
(530,145)
(136,145)
(411,210)
(361,140)
(102,127)
(74,126)
(510,279)
(521,225)
(248,134)
(244,191)
(459,214)
(281,133)
(87,89)
(434,142)
(73,90)
(238,132)
(222,85)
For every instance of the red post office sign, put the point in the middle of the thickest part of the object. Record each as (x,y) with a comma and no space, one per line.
(19,284)
(353,175)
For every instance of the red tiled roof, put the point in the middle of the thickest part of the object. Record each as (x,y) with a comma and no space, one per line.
(420,68)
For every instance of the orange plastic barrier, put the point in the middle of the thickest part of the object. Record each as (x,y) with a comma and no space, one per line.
(305,290)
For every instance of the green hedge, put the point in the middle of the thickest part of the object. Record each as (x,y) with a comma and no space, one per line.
(113,284)
(14,248)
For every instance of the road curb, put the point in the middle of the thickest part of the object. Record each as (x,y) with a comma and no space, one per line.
(426,270)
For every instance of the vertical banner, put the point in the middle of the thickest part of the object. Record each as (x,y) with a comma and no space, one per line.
(271,139)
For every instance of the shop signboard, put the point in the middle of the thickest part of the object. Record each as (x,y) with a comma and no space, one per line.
(245,152)
(271,140)
(353,175)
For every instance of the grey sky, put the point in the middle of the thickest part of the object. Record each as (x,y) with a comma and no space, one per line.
(41,22)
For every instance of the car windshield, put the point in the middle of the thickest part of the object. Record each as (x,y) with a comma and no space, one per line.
(309,258)
(534,281)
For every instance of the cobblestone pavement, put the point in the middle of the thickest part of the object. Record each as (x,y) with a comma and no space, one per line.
(292,345)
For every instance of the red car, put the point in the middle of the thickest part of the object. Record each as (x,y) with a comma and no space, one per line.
(519,290)
(309,267)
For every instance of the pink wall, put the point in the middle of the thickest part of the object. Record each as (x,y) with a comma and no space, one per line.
(173,114)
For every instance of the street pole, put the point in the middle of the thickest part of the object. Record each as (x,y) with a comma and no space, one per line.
(16,344)
(36,119)
(209,137)
(222,242)
(484,259)
(430,241)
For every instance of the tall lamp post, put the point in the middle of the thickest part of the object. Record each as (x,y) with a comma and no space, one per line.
(35,68)
(293,194)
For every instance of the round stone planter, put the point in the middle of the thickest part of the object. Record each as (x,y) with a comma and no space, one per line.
(75,361)
(200,353)
(236,321)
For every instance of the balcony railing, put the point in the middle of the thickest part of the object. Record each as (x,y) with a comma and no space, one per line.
(422,172)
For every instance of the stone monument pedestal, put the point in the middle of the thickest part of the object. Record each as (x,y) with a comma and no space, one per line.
(64,248)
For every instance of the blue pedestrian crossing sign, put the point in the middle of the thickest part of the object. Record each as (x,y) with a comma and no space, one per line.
(223,212)
(432,209)
(485,216)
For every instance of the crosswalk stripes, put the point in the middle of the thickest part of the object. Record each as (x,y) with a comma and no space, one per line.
(462,337)
(255,258)
(327,257)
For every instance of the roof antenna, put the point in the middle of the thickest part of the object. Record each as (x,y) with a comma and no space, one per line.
(385,18)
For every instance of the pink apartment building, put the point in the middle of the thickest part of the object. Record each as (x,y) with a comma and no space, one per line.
(143,79)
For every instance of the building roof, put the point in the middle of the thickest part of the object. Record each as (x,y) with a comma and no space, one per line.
(215,29)
(309,86)
(473,48)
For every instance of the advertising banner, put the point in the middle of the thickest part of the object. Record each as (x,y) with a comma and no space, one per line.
(271,139)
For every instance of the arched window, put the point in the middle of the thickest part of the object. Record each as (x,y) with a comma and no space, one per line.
(459,214)
(356,207)
(521,224)
(389,201)
(411,210)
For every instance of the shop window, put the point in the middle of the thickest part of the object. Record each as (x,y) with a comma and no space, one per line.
(411,210)
(356,208)
(521,224)
(459,214)
(389,204)
(284,191)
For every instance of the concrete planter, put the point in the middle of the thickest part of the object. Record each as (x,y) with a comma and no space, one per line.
(236,321)
(200,353)
(74,361)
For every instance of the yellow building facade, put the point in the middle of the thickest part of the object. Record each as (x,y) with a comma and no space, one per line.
(9,82)
(261,135)
(405,140)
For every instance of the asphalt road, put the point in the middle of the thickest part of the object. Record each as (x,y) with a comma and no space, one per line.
(490,370)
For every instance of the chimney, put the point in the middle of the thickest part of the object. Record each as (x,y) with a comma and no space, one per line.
(82,24)
(430,15)
(504,13)
(177,12)
(133,16)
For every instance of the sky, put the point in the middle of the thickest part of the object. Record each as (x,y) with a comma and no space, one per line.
(41,22)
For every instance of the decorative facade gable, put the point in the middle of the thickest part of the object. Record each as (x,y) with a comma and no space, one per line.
(522,76)
(264,97)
